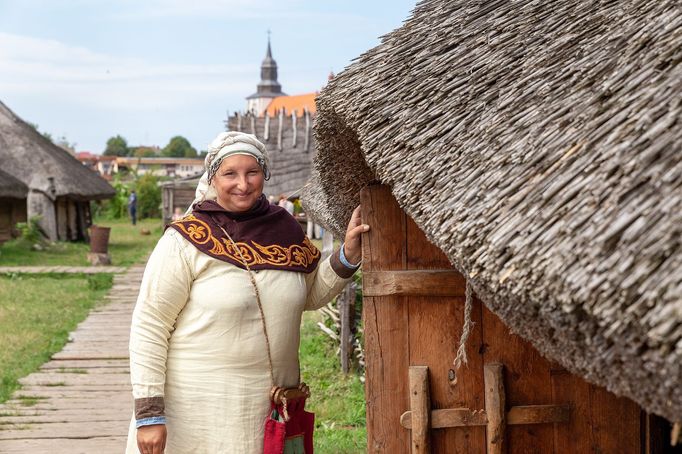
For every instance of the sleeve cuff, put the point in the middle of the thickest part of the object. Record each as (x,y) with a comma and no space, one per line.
(345,261)
(150,421)
(149,407)
(341,270)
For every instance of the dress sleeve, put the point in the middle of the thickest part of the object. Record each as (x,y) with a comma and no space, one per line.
(163,293)
(327,281)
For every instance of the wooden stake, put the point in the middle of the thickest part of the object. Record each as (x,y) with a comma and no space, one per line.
(675,434)
(494,407)
(420,406)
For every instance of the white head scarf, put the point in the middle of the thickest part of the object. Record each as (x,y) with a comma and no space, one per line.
(228,144)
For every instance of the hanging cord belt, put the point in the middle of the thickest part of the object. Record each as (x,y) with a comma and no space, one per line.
(277,394)
(461,357)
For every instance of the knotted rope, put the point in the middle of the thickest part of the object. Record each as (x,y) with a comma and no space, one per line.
(461,357)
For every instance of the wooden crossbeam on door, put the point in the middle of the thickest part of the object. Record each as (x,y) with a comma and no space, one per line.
(420,419)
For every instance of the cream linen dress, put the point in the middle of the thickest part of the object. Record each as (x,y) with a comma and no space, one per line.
(197,340)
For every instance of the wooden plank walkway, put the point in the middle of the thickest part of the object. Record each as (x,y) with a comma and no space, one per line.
(61,269)
(80,401)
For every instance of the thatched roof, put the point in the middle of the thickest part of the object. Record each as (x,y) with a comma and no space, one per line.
(12,188)
(539,145)
(31,158)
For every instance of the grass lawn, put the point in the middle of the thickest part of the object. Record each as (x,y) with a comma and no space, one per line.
(126,246)
(37,312)
(338,401)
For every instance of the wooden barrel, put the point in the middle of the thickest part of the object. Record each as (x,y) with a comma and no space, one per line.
(99,239)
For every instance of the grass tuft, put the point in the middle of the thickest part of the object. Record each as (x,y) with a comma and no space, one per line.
(30,401)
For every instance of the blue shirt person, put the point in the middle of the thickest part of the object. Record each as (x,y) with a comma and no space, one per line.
(132,207)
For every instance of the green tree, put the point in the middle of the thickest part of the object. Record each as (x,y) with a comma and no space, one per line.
(117,146)
(179,147)
(148,196)
(144,152)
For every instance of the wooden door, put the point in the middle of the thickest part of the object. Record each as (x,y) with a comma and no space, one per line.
(406,328)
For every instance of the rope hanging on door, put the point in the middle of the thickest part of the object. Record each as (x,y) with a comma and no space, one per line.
(461,357)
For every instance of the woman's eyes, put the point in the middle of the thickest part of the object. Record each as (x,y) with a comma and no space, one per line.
(231,174)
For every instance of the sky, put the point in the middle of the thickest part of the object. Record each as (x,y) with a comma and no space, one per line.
(87,70)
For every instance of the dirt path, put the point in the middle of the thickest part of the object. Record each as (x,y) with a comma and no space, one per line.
(80,401)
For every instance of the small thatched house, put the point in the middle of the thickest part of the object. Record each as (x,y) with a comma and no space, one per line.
(539,147)
(60,188)
(13,194)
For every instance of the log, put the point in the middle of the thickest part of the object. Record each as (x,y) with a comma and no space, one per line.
(420,403)
(494,407)
(413,283)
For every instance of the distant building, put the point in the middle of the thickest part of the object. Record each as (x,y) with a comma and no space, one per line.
(105,166)
(162,167)
(108,166)
(268,87)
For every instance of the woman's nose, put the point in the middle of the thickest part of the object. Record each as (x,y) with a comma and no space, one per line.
(242,182)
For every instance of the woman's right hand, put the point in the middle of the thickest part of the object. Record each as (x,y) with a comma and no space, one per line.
(151,439)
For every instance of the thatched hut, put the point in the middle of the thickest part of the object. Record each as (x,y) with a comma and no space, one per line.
(13,194)
(60,187)
(538,146)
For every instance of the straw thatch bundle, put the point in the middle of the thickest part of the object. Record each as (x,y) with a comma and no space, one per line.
(539,145)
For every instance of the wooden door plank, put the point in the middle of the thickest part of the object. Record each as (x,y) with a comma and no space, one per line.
(386,328)
(616,423)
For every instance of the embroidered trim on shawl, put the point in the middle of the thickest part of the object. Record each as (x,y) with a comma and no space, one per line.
(200,233)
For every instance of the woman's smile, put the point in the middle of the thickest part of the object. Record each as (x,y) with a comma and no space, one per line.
(238,182)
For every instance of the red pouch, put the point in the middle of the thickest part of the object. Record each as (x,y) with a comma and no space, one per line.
(289,428)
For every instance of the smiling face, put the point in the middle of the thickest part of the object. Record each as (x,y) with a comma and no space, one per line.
(238,182)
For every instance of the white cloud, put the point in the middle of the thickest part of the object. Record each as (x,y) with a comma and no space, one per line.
(39,67)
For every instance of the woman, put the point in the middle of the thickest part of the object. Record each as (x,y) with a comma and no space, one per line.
(198,356)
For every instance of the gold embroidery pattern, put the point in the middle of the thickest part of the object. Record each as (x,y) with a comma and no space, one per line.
(254,254)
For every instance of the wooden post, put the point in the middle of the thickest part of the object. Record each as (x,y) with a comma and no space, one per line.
(386,325)
(420,405)
(494,407)
(345,302)
(280,126)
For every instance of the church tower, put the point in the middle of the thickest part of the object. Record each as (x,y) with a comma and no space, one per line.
(268,87)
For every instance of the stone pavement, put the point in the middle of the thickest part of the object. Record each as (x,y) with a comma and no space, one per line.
(61,269)
(80,401)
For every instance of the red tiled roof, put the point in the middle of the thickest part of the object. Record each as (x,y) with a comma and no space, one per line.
(291,103)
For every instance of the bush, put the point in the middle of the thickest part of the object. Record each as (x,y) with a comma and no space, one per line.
(148,196)
(117,207)
(30,233)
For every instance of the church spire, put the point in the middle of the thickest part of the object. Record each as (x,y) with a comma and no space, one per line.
(268,87)
(268,54)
